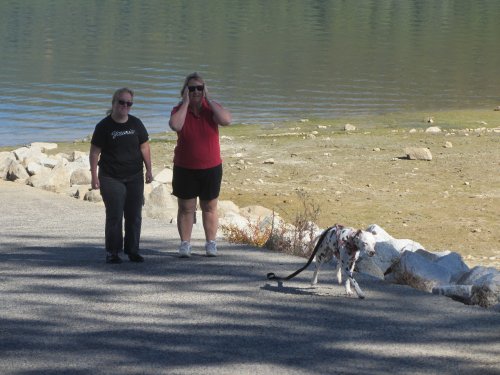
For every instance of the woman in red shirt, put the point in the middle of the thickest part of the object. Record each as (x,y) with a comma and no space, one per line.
(197,161)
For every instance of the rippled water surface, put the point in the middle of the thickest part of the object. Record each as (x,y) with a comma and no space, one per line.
(265,60)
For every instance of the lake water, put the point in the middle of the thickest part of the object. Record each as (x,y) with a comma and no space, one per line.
(266,61)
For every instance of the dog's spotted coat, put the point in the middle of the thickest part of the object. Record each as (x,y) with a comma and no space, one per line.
(346,245)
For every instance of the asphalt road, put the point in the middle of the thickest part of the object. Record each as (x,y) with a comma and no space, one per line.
(64,311)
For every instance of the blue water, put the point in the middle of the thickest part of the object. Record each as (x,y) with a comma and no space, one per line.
(266,61)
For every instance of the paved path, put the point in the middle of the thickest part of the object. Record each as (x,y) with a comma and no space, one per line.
(64,311)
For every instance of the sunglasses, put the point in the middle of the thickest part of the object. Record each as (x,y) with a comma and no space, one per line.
(123,102)
(199,88)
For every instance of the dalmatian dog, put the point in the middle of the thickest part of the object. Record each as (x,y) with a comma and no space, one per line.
(346,245)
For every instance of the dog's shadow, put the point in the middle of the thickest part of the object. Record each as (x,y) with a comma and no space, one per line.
(305,291)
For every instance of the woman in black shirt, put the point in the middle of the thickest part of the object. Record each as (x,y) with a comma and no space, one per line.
(120,147)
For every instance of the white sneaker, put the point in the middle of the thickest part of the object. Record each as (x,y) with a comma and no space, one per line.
(185,250)
(211,248)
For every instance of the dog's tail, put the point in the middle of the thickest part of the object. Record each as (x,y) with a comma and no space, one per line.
(272,276)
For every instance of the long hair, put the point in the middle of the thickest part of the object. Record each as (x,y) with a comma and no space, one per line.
(116,95)
(194,75)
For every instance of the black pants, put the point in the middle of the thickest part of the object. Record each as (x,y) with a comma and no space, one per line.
(123,198)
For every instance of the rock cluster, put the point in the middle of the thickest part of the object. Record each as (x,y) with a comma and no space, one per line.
(400,261)
(403,261)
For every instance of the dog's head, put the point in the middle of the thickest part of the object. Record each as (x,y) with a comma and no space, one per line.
(365,242)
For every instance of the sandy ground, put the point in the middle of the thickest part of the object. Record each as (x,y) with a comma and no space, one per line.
(360,178)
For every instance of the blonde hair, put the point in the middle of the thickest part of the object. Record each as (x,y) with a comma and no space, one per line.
(116,95)
(194,75)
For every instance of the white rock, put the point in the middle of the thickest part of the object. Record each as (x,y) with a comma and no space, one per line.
(34,168)
(164,176)
(17,172)
(49,162)
(433,129)
(44,146)
(454,263)
(226,206)
(161,204)
(418,153)
(93,196)
(485,283)
(349,128)
(6,159)
(78,155)
(81,177)
(56,180)
(418,272)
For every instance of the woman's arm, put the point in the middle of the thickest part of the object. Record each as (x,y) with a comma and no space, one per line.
(93,160)
(146,157)
(176,121)
(221,115)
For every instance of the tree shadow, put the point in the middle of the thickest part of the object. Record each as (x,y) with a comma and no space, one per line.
(67,311)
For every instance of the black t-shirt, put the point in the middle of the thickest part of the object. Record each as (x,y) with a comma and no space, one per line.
(120,146)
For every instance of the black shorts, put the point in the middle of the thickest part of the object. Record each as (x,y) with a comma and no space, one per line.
(192,183)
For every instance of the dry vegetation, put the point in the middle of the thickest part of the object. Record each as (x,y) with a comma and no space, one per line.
(360,178)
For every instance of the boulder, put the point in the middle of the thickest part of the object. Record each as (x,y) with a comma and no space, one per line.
(418,153)
(461,293)
(34,168)
(93,196)
(418,272)
(367,265)
(256,212)
(454,263)
(433,129)
(388,249)
(81,177)
(21,152)
(385,256)
(161,204)
(6,159)
(17,172)
(485,282)
(164,176)
(225,206)
(56,179)
(44,146)
(78,155)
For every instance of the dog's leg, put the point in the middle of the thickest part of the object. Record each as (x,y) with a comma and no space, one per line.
(358,290)
(314,280)
(344,267)
(339,271)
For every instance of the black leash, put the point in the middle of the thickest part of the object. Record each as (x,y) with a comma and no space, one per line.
(272,276)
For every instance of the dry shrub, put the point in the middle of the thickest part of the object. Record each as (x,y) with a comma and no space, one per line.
(256,234)
(297,238)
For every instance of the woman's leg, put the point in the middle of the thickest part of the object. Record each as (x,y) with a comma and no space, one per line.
(133,214)
(185,217)
(113,194)
(210,218)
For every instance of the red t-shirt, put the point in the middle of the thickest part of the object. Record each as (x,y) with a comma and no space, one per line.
(198,141)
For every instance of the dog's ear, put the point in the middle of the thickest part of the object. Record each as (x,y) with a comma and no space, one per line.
(358,232)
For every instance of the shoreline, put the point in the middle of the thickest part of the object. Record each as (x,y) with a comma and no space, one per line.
(411,118)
